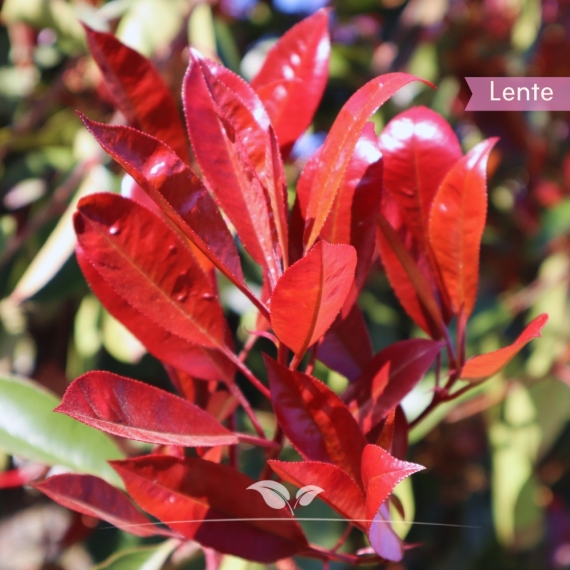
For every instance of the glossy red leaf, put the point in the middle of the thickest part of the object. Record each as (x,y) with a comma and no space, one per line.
(316,421)
(346,347)
(410,285)
(381,472)
(243,108)
(227,167)
(197,493)
(135,410)
(178,192)
(310,294)
(352,219)
(340,492)
(419,149)
(138,90)
(481,367)
(148,265)
(195,360)
(456,226)
(92,496)
(340,144)
(391,374)
(293,77)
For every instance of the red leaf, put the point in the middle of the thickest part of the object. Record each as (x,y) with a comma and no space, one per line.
(194,490)
(138,90)
(313,291)
(380,474)
(352,219)
(148,265)
(195,360)
(176,189)
(486,365)
(340,491)
(346,347)
(313,417)
(294,75)
(22,475)
(410,285)
(92,496)
(456,226)
(419,149)
(135,410)
(227,168)
(392,373)
(243,108)
(339,147)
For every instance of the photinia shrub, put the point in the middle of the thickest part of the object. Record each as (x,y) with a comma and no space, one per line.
(410,195)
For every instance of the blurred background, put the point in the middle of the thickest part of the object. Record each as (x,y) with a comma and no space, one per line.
(498,462)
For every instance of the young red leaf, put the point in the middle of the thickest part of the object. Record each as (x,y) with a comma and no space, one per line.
(352,219)
(149,266)
(346,347)
(313,417)
(227,168)
(410,285)
(481,367)
(385,542)
(293,77)
(419,149)
(456,226)
(340,491)
(310,294)
(135,410)
(173,186)
(191,495)
(138,90)
(339,147)
(381,472)
(243,108)
(195,360)
(92,496)
(391,374)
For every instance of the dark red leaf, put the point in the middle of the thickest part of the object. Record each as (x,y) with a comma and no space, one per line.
(346,347)
(227,167)
(243,108)
(314,418)
(339,147)
(419,149)
(310,294)
(486,365)
(410,285)
(391,374)
(149,266)
(176,189)
(293,77)
(340,491)
(190,495)
(138,90)
(456,226)
(92,496)
(195,360)
(135,410)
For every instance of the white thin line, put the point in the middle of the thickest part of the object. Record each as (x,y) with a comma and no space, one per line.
(283,519)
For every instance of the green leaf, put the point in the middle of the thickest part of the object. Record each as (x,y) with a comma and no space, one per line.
(143,558)
(30,429)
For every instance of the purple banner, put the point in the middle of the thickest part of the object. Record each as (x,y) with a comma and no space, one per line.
(519,94)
